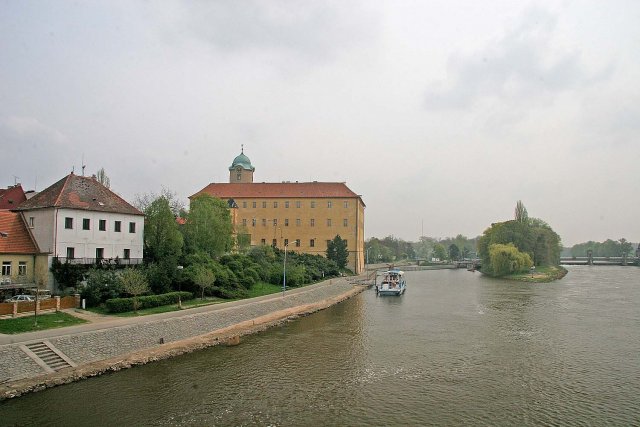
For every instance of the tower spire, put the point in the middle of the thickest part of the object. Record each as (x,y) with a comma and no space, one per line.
(241,148)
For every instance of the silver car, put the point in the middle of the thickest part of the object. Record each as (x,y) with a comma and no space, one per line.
(20,298)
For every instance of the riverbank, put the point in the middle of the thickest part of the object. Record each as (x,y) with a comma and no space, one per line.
(539,275)
(114,345)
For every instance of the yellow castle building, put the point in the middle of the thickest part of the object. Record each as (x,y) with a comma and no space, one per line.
(303,216)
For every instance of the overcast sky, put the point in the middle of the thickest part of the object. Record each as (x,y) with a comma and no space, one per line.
(441,114)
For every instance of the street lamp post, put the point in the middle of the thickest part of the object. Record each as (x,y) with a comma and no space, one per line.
(367,262)
(179,286)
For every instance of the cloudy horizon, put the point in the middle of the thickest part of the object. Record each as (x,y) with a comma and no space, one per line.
(441,114)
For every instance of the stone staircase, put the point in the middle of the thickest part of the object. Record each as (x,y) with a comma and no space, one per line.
(47,356)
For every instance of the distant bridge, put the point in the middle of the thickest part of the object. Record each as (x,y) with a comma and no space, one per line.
(599,260)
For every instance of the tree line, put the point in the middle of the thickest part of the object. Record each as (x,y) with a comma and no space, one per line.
(608,248)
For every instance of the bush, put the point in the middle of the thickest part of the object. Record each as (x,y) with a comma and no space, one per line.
(121,305)
(101,286)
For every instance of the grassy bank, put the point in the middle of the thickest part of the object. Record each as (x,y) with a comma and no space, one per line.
(45,321)
(540,275)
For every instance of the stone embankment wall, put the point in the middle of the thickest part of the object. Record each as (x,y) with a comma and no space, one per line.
(119,347)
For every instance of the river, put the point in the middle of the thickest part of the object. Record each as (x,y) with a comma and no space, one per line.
(457,348)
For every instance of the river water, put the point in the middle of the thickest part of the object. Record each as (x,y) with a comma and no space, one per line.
(457,348)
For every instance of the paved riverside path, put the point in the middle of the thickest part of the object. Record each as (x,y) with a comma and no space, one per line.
(111,338)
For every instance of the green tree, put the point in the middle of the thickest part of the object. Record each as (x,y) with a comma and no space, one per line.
(162,239)
(507,259)
(208,226)
(134,283)
(454,252)
(204,278)
(439,251)
(521,214)
(337,251)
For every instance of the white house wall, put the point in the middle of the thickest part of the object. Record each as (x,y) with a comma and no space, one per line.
(85,242)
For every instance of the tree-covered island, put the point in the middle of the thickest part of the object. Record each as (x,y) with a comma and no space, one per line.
(525,249)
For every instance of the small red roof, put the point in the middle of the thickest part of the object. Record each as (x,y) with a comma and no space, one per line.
(18,240)
(12,197)
(278,190)
(79,192)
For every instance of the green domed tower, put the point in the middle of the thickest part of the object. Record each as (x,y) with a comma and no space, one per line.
(241,170)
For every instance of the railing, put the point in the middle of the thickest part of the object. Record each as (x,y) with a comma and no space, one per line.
(101,261)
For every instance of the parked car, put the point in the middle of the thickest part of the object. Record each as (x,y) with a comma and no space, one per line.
(20,298)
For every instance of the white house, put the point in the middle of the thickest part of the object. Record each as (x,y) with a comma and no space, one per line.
(79,220)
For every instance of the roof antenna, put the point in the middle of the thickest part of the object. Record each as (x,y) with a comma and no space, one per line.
(83,165)
(73,168)
(241,148)
(15,180)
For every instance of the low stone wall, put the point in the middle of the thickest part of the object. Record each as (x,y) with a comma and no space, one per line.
(120,347)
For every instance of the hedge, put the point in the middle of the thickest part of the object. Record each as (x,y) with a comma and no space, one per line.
(121,305)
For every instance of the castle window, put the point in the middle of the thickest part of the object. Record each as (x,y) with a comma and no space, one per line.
(32,221)
(126,253)
(264,205)
(274,243)
(275,204)
(254,205)
(329,204)
(345,222)
(313,222)
(346,205)
(264,222)
(263,242)
(253,222)
(68,223)
(313,204)
(117,226)
(286,222)
(286,204)
(328,222)
(71,253)
(239,176)
(298,204)
(102,225)
(312,243)
(86,224)
(298,222)
(244,204)
(244,222)
(297,243)
(286,242)
(275,222)
(132,227)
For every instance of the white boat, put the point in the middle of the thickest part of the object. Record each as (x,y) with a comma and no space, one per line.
(392,283)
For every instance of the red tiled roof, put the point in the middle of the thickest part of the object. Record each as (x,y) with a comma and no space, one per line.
(11,197)
(79,192)
(274,190)
(18,240)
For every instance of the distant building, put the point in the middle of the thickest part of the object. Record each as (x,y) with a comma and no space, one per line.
(79,220)
(304,216)
(23,264)
(12,197)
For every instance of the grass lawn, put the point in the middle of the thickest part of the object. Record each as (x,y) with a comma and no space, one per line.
(45,321)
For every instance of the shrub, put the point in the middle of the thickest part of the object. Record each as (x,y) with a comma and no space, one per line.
(121,305)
